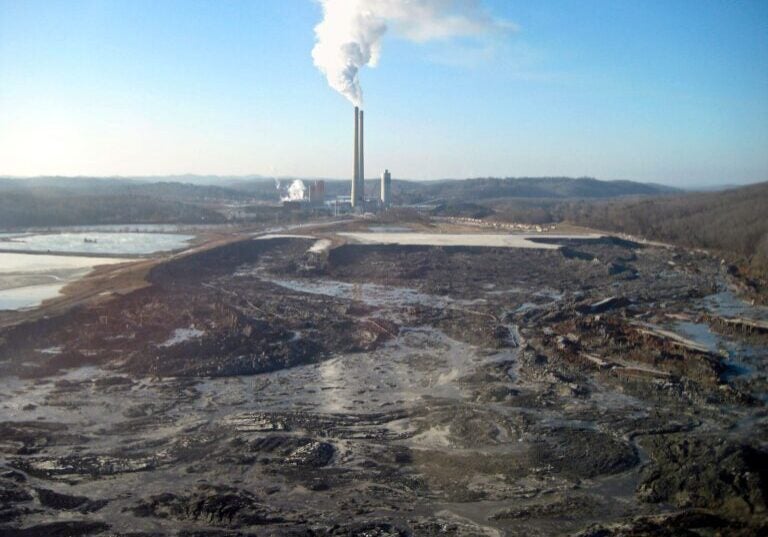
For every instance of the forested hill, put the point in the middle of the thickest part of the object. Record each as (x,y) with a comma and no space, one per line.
(526,187)
(734,220)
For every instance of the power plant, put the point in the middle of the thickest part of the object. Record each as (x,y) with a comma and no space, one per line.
(357,194)
(312,197)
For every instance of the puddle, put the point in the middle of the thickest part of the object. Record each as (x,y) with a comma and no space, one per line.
(369,293)
(180,335)
(728,304)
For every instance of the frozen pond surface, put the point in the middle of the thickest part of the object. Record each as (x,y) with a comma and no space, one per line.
(22,298)
(28,263)
(119,228)
(468,239)
(98,243)
(26,280)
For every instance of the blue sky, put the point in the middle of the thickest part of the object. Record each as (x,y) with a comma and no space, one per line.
(671,91)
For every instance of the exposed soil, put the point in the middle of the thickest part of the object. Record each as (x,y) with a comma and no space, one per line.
(263,387)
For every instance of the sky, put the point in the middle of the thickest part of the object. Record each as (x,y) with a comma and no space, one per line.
(667,91)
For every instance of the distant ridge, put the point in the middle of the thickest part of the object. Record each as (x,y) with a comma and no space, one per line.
(263,188)
(533,187)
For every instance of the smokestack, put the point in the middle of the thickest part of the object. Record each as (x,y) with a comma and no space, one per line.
(361,171)
(386,188)
(356,175)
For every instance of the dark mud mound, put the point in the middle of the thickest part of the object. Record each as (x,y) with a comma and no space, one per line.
(73,528)
(685,524)
(293,450)
(224,260)
(27,437)
(583,453)
(205,314)
(477,325)
(712,473)
(59,501)
(456,271)
(571,506)
(84,466)
(212,505)
(13,497)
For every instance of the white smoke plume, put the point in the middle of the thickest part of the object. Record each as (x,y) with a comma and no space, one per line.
(295,191)
(349,36)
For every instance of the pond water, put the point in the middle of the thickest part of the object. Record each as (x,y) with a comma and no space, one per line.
(22,298)
(97,243)
(26,280)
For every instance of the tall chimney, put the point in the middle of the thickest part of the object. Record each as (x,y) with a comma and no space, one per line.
(361,171)
(386,189)
(356,176)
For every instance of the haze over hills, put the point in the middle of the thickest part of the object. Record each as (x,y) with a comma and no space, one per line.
(46,201)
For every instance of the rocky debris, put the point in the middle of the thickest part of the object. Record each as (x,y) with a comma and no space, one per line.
(708,472)
(56,500)
(606,304)
(755,329)
(317,424)
(85,466)
(472,324)
(13,475)
(566,506)
(314,454)
(112,382)
(693,523)
(582,453)
(256,423)
(213,505)
(371,333)
(360,529)
(440,527)
(71,528)
(28,437)
(293,450)
(12,492)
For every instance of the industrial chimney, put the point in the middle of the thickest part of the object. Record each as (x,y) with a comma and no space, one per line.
(361,170)
(386,189)
(356,175)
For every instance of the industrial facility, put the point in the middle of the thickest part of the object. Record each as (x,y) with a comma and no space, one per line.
(358,201)
(313,196)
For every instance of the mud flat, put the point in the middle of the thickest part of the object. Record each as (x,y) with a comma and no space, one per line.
(285,386)
(496,240)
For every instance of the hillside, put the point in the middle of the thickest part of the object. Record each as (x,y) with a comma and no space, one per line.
(733,222)
(533,187)
(28,209)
